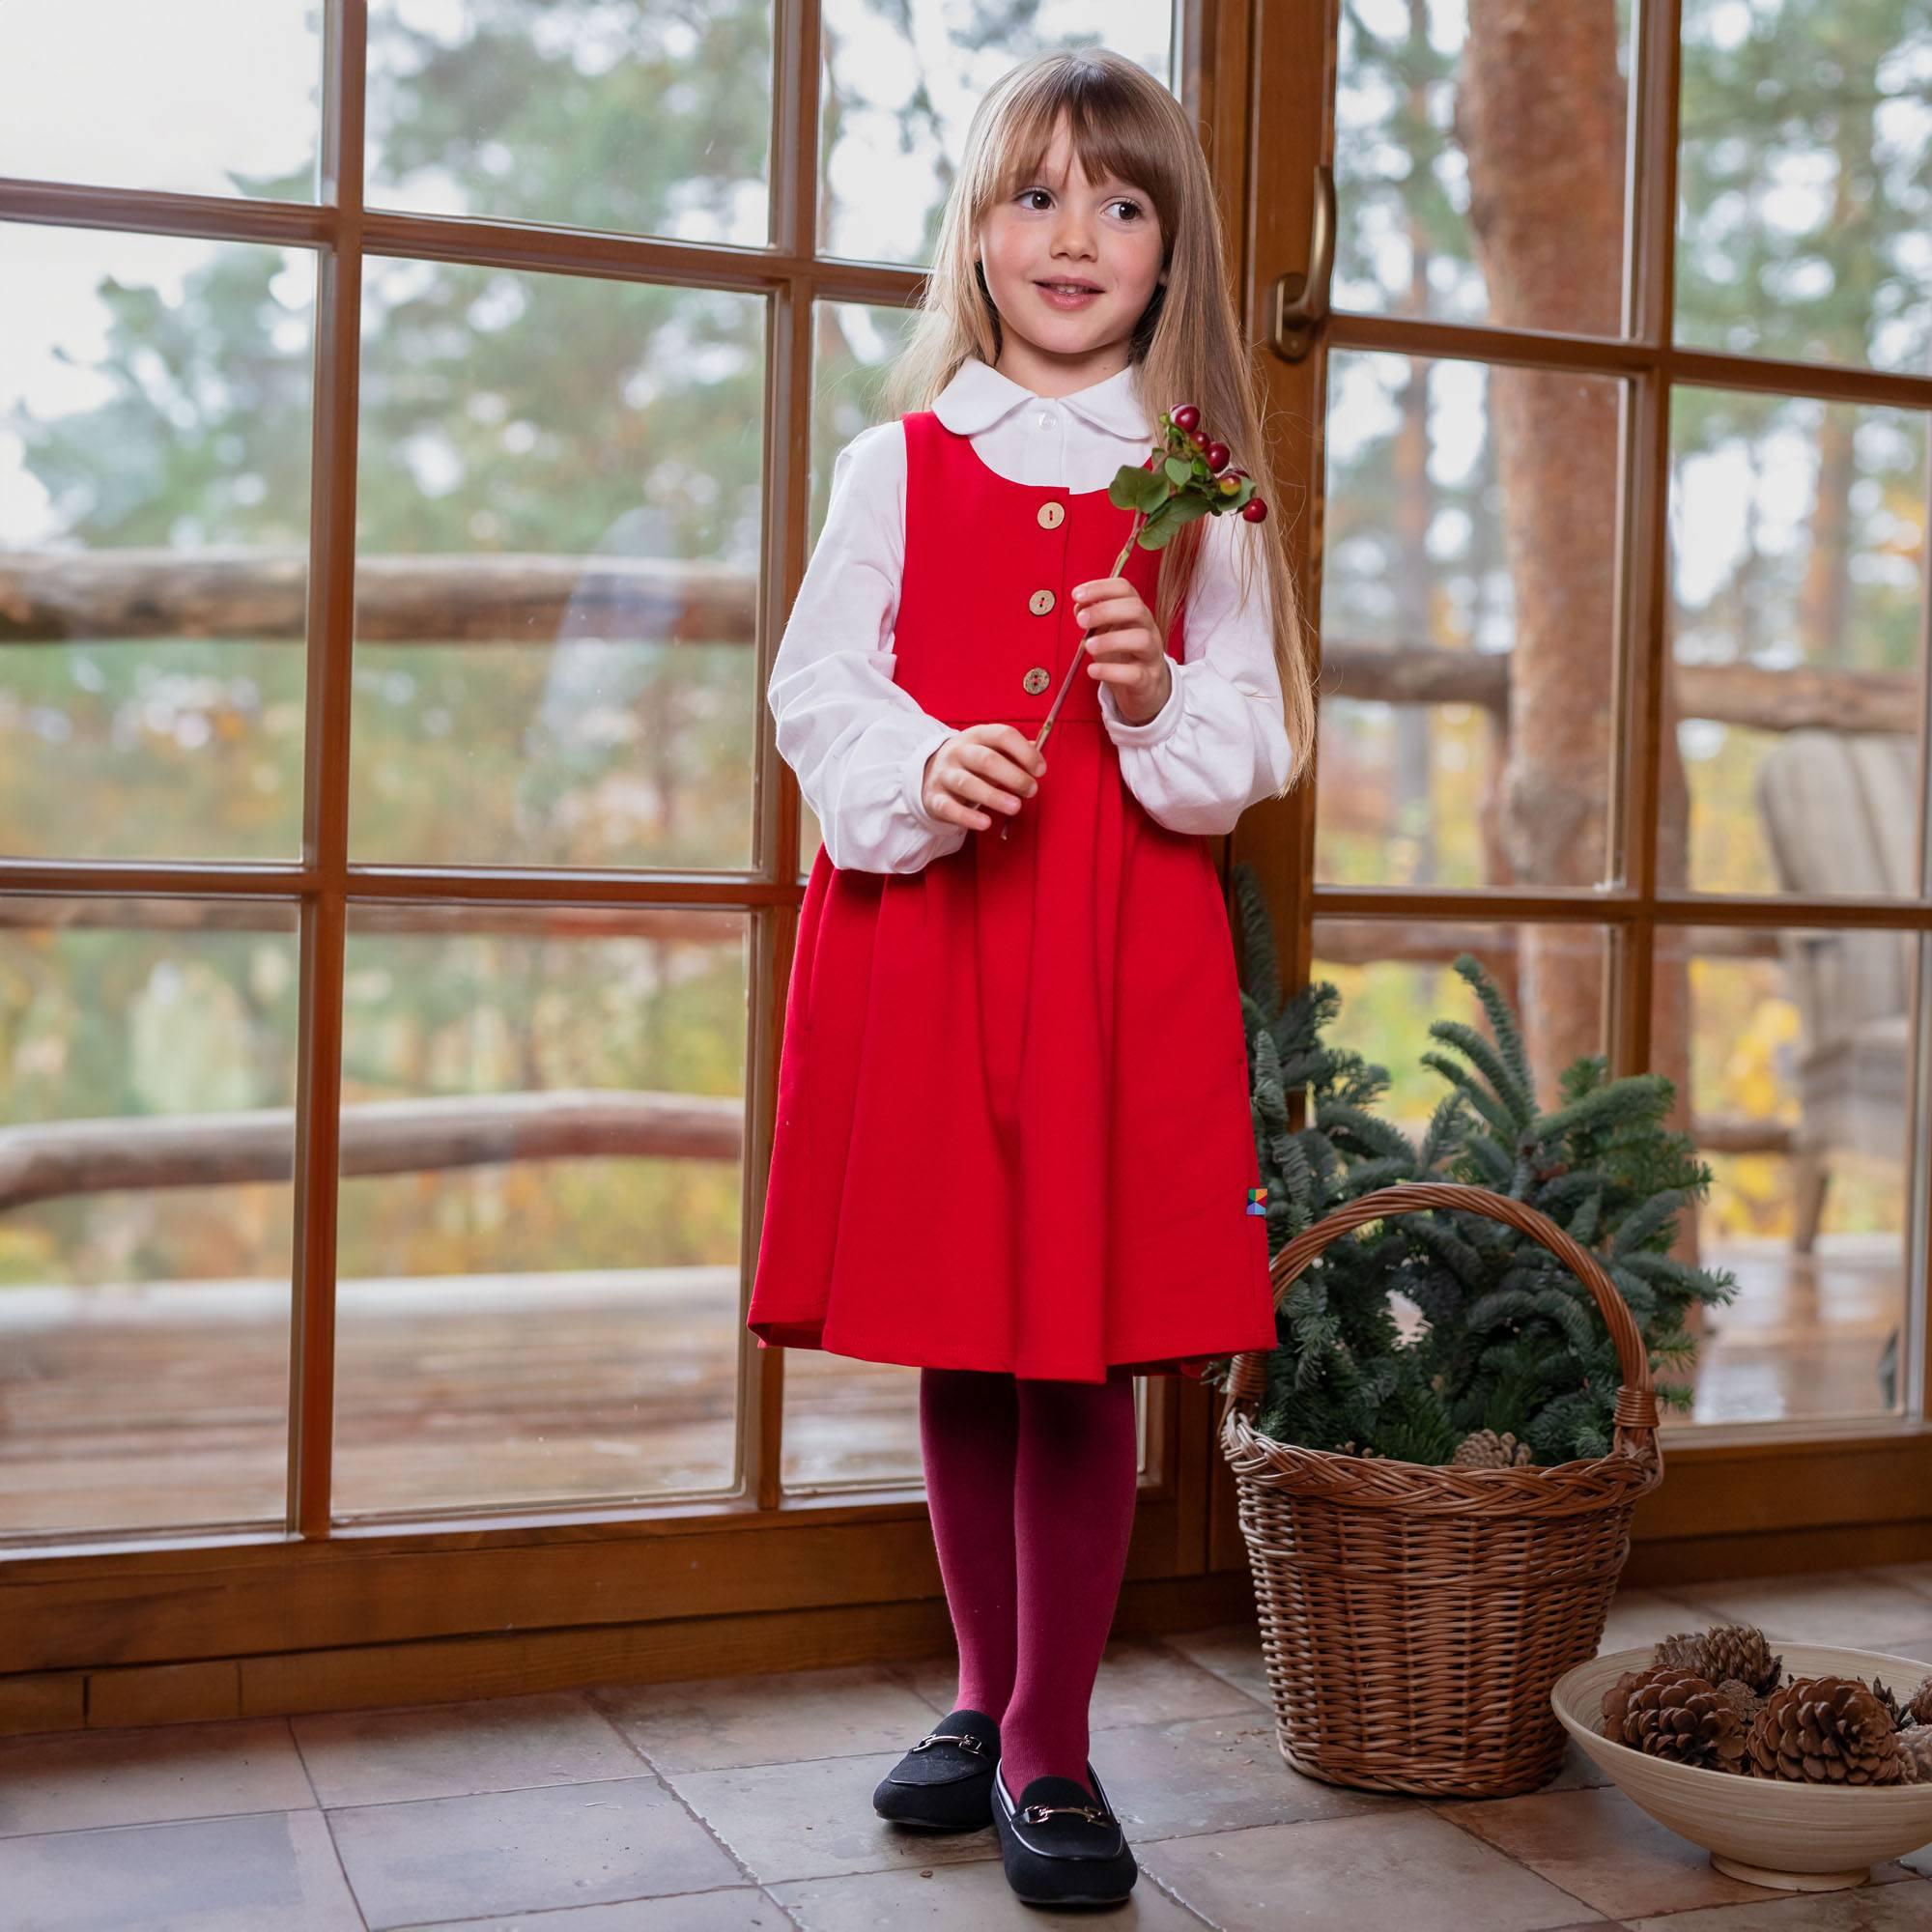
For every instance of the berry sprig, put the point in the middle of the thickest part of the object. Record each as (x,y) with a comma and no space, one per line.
(1193,478)
(1188,478)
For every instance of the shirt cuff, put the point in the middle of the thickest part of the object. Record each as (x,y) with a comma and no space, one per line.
(1160,725)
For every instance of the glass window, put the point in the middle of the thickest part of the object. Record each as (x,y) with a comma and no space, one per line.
(147,1088)
(1798,655)
(1468,647)
(1804,182)
(1802,1043)
(652,118)
(556,583)
(542,1169)
(199,97)
(1433,123)
(155,409)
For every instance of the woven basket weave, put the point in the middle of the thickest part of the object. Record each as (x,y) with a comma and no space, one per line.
(1414,1619)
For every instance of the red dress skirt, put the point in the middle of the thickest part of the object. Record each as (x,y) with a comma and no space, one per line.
(1013,1124)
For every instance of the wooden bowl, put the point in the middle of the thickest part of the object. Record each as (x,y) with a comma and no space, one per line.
(1793,1837)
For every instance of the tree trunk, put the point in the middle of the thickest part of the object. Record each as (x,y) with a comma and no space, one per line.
(1540,114)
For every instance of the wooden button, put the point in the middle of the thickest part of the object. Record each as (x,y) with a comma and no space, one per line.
(1040,603)
(1052,516)
(1036,680)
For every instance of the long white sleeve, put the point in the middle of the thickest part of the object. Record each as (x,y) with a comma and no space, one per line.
(857,742)
(1219,743)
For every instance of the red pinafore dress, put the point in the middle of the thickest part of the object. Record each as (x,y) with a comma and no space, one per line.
(1014,1121)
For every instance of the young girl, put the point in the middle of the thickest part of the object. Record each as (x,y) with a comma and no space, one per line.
(1013,1145)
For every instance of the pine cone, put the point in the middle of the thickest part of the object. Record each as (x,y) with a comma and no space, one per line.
(1743,1699)
(1484,1449)
(1892,1708)
(1824,1730)
(1915,1755)
(1725,1650)
(1918,1706)
(1671,1714)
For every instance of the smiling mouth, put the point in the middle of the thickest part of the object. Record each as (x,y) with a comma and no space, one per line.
(1069,288)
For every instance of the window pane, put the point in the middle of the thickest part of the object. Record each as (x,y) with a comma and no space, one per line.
(147,1085)
(1396,979)
(556,579)
(848,1423)
(854,1424)
(538,1247)
(1451,148)
(199,97)
(1467,623)
(1803,183)
(651,118)
(155,431)
(1797,568)
(900,81)
(1801,1045)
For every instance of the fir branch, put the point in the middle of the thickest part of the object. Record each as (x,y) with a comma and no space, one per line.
(1261,974)
(1478,1097)
(1517,1101)
(1503,1023)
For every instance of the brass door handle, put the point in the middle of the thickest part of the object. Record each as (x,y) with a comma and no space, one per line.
(1300,301)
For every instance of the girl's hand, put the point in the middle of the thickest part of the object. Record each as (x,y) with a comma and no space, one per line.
(1126,648)
(987,763)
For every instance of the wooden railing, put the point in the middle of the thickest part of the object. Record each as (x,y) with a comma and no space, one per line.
(260,596)
(515,598)
(414,1136)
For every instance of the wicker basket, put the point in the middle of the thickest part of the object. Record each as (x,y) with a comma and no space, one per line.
(1414,1619)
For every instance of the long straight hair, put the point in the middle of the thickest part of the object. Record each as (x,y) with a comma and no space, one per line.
(1186,347)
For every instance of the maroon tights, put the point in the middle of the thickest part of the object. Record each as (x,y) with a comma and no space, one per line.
(1031,1487)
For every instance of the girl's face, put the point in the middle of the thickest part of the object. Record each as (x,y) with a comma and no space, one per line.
(1063,228)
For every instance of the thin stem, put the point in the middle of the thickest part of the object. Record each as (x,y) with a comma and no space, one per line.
(1080,656)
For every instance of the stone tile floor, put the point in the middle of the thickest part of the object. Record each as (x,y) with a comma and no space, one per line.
(740,1803)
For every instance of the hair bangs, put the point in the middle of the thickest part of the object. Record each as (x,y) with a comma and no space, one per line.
(1109,132)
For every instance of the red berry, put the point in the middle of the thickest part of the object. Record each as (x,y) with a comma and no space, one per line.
(1199,441)
(1217,454)
(1186,416)
(1254,509)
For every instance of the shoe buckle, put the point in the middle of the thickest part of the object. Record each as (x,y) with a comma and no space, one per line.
(965,1739)
(1039,1814)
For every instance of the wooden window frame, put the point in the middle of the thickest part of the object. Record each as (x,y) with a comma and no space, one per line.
(315,1614)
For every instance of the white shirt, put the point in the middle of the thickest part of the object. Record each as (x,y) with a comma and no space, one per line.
(859,744)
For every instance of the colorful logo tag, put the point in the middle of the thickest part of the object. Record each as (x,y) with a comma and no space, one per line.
(1258,1199)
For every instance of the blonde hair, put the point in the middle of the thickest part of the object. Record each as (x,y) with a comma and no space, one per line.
(1187,345)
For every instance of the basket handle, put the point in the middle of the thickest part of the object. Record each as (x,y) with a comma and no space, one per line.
(1634,1422)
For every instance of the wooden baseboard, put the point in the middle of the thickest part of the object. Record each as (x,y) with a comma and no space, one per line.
(1775,1552)
(450,1669)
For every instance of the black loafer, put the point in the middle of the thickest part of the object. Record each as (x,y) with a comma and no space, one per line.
(944,1784)
(1059,1846)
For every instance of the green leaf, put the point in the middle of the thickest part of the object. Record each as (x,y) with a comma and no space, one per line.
(1159,527)
(1180,473)
(1125,491)
(1152,491)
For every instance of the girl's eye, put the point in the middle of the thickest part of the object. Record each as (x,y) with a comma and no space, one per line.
(1118,201)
